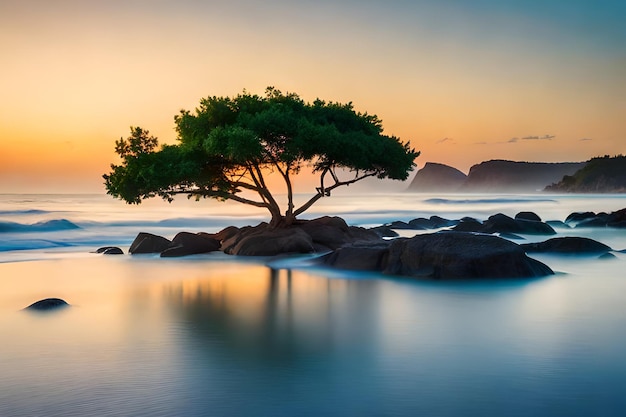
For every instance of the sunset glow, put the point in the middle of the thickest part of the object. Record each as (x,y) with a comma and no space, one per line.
(508,80)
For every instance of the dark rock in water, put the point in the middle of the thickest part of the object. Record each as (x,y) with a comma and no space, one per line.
(48,304)
(557,224)
(527,215)
(501,223)
(615,219)
(443,222)
(400,225)
(422,224)
(149,243)
(444,255)
(384,231)
(607,256)
(467,224)
(461,255)
(568,245)
(578,216)
(110,250)
(360,256)
(186,243)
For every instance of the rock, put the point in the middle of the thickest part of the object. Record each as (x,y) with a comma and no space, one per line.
(48,304)
(460,255)
(223,234)
(578,216)
(400,225)
(527,215)
(384,231)
(265,241)
(568,245)
(334,232)
(148,243)
(422,224)
(557,224)
(359,256)
(185,243)
(615,219)
(443,222)
(110,250)
(443,255)
(607,256)
(468,224)
(501,223)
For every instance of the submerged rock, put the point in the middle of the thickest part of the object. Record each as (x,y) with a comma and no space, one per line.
(110,250)
(48,304)
(501,223)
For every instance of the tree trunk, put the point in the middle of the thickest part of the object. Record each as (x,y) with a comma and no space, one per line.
(279,221)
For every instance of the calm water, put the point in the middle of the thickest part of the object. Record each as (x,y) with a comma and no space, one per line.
(209,335)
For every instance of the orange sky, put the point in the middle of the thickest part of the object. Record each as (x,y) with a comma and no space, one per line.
(464,84)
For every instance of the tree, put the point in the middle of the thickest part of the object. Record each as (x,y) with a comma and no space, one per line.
(229,145)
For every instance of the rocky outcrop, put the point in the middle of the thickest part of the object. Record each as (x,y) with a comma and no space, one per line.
(443,255)
(512,176)
(263,240)
(527,215)
(501,223)
(318,235)
(599,175)
(186,243)
(149,243)
(436,177)
(48,304)
(568,245)
(615,219)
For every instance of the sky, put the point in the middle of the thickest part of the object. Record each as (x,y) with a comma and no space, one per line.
(463,81)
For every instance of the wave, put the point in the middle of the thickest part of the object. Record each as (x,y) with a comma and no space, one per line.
(45,226)
(489,201)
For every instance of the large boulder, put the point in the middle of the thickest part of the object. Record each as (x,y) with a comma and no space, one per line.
(263,240)
(501,223)
(460,256)
(149,243)
(569,245)
(615,219)
(527,215)
(186,243)
(444,255)
(330,233)
(360,256)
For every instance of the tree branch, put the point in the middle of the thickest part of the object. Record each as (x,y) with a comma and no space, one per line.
(325,192)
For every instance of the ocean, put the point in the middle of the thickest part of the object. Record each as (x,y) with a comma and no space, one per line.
(215,335)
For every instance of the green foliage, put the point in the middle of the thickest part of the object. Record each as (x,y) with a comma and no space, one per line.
(227,144)
(601,174)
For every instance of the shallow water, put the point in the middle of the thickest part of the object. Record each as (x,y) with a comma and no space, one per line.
(208,335)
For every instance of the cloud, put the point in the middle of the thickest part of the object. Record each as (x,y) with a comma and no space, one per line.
(544,137)
(585,139)
(444,140)
(512,140)
(480,143)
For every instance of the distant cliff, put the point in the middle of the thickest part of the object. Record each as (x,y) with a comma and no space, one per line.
(599,175)
(499,176)
(436,177)
(511,176)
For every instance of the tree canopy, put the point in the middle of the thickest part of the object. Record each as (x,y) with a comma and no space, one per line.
(229,144)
